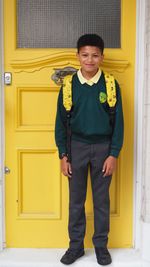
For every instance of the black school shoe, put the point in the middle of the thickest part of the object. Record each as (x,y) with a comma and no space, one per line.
(71,256)
(103,256)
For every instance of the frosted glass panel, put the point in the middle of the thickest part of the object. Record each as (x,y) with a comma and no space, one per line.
(59,23)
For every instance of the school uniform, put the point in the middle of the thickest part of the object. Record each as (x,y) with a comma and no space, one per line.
(93,140)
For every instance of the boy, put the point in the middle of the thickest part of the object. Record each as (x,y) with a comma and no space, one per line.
(95,141)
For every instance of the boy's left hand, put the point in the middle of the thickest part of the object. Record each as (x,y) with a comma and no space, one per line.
(109,166)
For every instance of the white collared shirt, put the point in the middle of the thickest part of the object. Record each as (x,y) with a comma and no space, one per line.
(90,82)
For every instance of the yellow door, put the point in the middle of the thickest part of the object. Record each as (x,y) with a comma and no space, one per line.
(36,192)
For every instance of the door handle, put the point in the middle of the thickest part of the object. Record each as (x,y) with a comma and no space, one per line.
(7,170)
(59,74)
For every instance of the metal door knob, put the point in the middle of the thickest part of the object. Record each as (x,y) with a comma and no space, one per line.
(7,170)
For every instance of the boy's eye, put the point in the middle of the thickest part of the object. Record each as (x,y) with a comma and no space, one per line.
(86,55)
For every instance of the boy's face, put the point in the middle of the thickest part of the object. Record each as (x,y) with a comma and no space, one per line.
(90,58)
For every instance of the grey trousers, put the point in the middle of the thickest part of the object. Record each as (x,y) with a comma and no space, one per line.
(83,155)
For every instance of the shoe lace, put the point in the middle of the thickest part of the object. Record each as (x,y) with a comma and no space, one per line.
(71,252)
(103,251)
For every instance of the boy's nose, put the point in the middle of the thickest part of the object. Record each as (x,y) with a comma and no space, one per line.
(89,59)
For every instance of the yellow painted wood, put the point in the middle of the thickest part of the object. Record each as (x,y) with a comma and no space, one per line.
(36,192)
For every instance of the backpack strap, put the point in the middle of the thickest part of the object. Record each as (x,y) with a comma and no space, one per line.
(111,89)
(111,96)
(67,103)
(67,92)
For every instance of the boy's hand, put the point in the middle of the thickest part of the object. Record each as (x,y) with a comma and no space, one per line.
(66,167)
(109,166)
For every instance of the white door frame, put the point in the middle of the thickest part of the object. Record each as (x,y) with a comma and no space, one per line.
(139,115)
(138,137)
(2,135)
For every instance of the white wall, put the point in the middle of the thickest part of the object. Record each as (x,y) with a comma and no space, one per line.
(145,130)
(146,144)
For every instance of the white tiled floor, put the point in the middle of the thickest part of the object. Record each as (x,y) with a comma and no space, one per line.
(26,257)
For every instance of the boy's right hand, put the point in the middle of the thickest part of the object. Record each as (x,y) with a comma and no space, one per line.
(66,167)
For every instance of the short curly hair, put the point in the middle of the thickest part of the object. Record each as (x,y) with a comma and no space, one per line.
(90,40)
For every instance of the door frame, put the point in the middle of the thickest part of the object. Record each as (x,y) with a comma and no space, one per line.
(138,138)
(2,134)
(140,59)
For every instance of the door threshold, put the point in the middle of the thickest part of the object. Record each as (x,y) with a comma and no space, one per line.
(49,257)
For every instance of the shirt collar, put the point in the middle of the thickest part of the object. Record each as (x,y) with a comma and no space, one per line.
(90,82)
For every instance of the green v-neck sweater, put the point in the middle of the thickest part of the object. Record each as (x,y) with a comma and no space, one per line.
(90,119)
